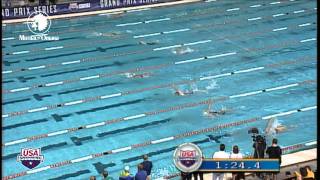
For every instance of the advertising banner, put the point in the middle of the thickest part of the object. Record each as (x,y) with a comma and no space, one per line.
(85,6)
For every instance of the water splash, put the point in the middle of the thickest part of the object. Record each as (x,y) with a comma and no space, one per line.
(212,85)
(159,173)
(182,50)
(194,88)
(94,34)
(272,124)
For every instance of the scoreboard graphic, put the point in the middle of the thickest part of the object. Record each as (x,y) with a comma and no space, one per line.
(240,165)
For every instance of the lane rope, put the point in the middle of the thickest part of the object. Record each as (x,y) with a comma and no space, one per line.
(144,144)
(174,108)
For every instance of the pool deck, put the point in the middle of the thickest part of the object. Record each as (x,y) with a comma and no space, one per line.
(112,11)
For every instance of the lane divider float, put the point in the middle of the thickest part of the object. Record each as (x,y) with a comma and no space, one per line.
(144,144)
(179,107)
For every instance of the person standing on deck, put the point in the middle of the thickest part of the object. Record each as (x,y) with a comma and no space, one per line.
(236,155)
(147,166)
(125,174)
(274,151)
(141,174)
(220,154)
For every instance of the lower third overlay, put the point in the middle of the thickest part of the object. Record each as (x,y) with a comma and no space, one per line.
(189,158)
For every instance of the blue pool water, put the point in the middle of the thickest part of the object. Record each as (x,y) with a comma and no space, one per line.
(273,43)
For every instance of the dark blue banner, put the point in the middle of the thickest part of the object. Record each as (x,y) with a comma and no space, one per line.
(85,6)
(240,165)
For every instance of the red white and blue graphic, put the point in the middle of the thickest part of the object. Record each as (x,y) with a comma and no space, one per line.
(30,157)
(187,157)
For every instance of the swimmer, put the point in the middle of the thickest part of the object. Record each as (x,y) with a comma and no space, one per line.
(134,75)
(280,128)
(217,138)
(148,43)
(214,113)
(211,113)
(143,75)
(178,92)
(112,34)
(274,127)
(182,50)
(270,127)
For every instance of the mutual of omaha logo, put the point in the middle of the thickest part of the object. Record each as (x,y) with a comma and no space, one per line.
(30,158)
(39,23)
(187,157)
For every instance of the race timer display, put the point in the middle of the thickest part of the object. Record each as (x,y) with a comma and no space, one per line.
(240,165)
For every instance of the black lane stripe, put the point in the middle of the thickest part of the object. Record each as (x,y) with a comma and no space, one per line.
(24,124)
(110,106)
(78,141)
(116,63)
(58,117)
(8,81)
(100,167)
(45,148)
(64,72)
(15,101)
(25,79)
(87,88)
(8,63)
(80,52)
(154,123)
(71,175)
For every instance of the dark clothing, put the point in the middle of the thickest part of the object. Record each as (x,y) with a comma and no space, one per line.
(147,166)
(274,152)
(259,148)
(239,175)
(141,175)
(186,176)
(195,175)
(126,178)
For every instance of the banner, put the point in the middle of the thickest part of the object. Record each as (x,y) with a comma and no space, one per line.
(85,6)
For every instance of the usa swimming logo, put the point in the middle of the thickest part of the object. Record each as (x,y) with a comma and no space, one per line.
(187,157)
(39,24)
(30,157)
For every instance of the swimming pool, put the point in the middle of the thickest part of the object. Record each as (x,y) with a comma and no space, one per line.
(72,98)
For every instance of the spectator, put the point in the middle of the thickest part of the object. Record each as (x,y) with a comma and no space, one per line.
(141,174)
(220,154)
(186,176)
(236,155)
(105,176)
(196,173)
(274,151)
(259,146)
(305,173)
(92,178)
(125,174)
(147,166)
(310,173)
